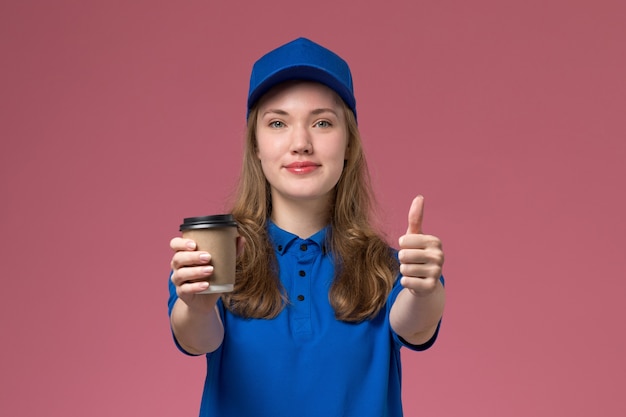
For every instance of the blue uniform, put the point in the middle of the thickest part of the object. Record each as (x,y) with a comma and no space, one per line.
(304,362)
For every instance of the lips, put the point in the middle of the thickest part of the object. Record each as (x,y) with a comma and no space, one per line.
(302,167)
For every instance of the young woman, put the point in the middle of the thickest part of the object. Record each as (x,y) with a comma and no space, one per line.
(322,305)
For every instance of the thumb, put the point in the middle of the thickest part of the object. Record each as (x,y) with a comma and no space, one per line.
(416,215)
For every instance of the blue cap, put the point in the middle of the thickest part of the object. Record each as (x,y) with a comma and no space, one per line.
(301,59)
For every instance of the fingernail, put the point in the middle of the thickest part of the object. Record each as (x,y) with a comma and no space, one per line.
(205,257)
(207,269)
(191,245)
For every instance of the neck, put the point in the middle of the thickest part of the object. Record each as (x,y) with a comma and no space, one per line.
(303,218)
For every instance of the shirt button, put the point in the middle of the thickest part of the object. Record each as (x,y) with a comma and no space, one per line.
(301,297)
(301,273)
(303,247)
(280,248)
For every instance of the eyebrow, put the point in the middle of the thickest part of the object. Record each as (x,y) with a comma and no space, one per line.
(324,110)
(315,112)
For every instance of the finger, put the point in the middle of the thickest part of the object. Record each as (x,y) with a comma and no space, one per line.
(178,244)
(423,271)
(421,256)
(413,241)
(191,288)
(413,256)
(189,258)
(416,215)
(191,274)
(420,285)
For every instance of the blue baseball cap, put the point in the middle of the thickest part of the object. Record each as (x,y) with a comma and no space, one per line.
(301,59)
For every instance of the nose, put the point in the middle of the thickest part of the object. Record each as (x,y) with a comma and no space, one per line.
(301,141)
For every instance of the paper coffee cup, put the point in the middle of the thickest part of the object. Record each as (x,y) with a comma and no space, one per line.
(217,235)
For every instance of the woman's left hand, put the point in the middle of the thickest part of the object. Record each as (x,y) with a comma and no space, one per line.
(421,256)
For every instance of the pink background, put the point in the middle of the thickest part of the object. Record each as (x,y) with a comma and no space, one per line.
(119,118)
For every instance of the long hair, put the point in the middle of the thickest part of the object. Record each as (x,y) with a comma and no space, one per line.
(365,266)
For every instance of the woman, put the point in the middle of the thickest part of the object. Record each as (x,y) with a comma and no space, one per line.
(322,305)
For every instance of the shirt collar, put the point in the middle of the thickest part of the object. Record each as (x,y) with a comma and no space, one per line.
(282,239)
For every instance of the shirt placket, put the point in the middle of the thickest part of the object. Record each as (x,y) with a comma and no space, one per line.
(305,253)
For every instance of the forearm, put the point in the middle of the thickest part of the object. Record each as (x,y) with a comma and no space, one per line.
(415,317)
(197,332)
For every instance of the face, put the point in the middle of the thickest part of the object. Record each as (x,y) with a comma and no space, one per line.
(301,141)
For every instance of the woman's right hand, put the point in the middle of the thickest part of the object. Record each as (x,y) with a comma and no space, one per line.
(191,271)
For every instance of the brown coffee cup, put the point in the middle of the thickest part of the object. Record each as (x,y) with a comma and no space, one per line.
(216,235)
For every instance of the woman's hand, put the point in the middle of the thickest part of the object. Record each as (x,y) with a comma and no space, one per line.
(421,256)
(418,308)
(191,271)
(195,318)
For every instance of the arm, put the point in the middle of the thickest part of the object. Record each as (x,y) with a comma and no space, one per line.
(415,317)
(197,331)
(418,308)
(194,318)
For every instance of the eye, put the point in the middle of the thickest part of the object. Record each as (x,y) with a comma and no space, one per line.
(323,123)
(276,124)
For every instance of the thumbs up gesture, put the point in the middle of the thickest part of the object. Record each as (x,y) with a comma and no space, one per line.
(421,256)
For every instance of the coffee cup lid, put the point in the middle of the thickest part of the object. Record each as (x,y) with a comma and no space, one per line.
(205,222)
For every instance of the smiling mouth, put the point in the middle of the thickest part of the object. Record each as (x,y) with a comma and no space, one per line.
(302,164)
(301,167)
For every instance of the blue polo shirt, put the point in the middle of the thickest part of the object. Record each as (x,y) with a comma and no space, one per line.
(304,362)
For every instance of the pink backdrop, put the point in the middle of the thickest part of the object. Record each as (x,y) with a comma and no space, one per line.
(119,118)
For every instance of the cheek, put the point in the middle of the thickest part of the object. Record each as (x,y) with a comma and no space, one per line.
(262,150)
(344,151)
(267,157)
(339,162)
(266,170)
(270,147)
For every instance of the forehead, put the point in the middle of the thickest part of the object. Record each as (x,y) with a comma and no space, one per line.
(289,89)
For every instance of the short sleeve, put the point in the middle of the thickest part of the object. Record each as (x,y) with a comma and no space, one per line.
(397,287)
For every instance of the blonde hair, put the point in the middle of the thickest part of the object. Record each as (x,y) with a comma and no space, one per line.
(365,265)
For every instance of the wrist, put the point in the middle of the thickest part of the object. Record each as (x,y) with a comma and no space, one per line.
(425,291)
(198,304)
